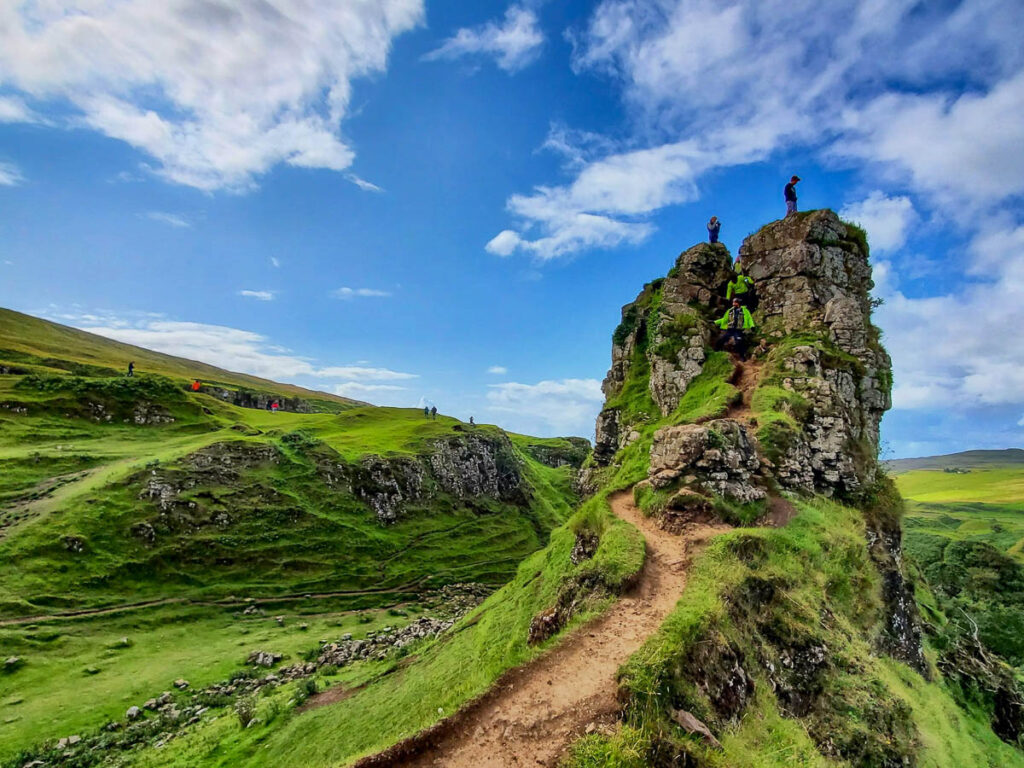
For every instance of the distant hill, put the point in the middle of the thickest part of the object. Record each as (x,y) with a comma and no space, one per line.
(32,345)
(963,460)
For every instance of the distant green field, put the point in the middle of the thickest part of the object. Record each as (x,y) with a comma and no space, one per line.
(998,485)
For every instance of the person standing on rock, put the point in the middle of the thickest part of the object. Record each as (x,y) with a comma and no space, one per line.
(790,195)
(714,227)
(734,324)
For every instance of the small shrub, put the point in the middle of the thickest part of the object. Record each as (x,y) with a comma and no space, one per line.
(245,709)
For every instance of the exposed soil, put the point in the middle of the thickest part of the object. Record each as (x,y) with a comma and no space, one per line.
(746,375)
(536,711)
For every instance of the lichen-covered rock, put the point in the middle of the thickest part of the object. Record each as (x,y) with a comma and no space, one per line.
(717,457)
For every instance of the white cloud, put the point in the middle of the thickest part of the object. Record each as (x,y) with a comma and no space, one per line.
(566,406)
(363,184)
(349,293)
(885,219)
(15,110)
(231,348)
(275,262)
(10,175)
(363,373)
(261,295)
(739,81)
(498,370)
(171,219)
(514,44)
(217,93)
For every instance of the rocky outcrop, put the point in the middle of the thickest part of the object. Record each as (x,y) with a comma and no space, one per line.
(572,454)
(245,398)
(717,457)
(466,467)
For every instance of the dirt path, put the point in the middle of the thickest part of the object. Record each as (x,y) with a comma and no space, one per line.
(543,706)
(745,378)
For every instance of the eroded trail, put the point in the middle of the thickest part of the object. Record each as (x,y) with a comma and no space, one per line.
(543,706)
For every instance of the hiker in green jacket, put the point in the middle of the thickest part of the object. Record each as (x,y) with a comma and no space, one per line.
(742,288)
(734,324)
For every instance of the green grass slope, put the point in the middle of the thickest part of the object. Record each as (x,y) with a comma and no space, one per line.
(962,460)
(33,345)
(263,507)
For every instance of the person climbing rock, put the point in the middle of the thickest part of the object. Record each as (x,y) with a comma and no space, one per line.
(714,227)
(742,288)
(131,368)
(735,323)
(433,411)
(790,195)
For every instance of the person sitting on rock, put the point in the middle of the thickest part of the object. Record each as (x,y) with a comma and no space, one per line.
(734,324)
(714,227)
(742,288)
(790,195)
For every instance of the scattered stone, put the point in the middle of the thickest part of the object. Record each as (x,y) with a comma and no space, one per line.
(151,705)
(133,713)
(691,724)
(180,684)
(263,658)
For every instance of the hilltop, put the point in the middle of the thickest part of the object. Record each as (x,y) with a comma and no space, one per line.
(962,460)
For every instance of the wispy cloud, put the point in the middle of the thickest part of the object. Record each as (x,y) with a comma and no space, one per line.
(275,262)
(351,293)
(231,89)
(498,370)
(171,219)
(10,175)
(513,43)
(363,373)
(362,183)
(261,295)
(565,406)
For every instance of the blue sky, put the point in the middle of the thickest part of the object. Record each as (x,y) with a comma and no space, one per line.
(407,201)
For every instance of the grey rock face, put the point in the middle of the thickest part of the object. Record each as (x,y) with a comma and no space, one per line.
(717,457)
(675,336)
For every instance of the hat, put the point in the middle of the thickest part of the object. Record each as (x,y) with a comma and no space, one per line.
(795,178)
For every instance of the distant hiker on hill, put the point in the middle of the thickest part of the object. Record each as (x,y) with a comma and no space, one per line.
(131,368)
(714,227)
(734,324)
(790,195)
(426,411)
(471,422)
(742,288)
(274,406)
(433,411)
(196,385)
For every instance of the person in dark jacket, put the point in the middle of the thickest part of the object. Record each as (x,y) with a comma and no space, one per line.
(433,411)
(131,368)
(735,323)
(714,227)
(426,411)
(790,195)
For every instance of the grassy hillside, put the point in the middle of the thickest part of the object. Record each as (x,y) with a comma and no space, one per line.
(32,345)
(133,508)
(962,460)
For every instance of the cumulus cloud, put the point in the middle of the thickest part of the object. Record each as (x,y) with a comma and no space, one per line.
(171,219)
(498,370)
(10,175)
(216,93)
(514,43)
(741,80)
(232,348)
(885,219)
(261,295)
(351,293)
(565,406)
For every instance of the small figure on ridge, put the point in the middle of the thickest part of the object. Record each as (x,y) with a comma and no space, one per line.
(734,324)
(790,195)
(471,422)
(131,368)
(433,411)
(714,227)
(426,411)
